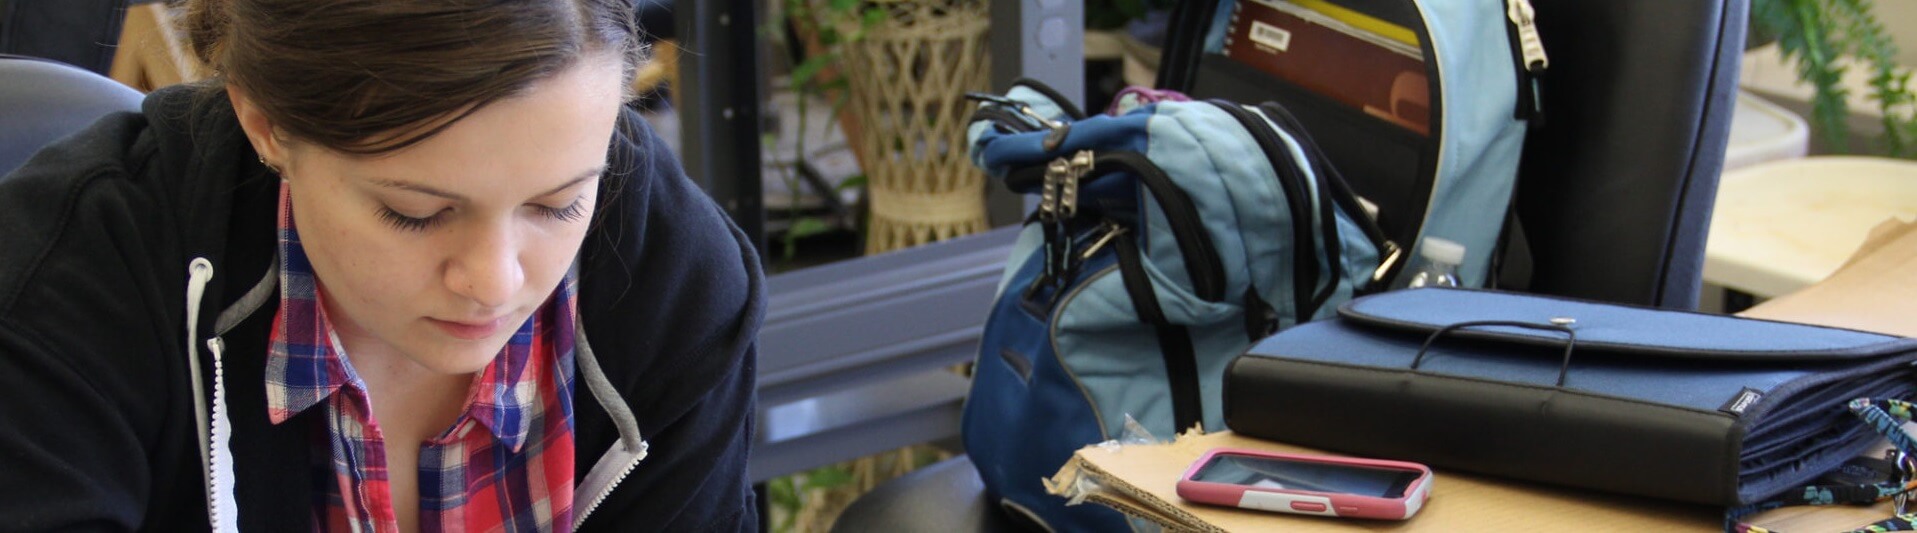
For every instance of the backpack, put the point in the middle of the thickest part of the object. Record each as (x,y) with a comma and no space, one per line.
(1475,95)
(1170,235)
(1167,239)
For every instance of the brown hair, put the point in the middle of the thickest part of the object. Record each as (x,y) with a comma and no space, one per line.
(374,76)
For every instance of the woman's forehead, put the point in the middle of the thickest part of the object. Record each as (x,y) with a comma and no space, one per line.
(554,133)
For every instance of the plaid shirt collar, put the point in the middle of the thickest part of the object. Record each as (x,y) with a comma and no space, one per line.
(305,364)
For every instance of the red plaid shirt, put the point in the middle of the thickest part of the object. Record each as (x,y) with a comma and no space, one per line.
(506,464)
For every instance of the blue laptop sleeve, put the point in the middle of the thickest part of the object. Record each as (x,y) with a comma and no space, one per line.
(1669,404)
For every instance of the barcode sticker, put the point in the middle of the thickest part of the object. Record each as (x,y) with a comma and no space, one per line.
(1271,36)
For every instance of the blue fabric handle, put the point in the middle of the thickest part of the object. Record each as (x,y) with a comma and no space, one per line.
(1570,343)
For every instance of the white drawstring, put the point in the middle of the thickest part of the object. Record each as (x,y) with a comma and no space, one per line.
(199,272)
(215,462)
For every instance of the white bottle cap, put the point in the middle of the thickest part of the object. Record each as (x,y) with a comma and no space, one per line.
(1438,250)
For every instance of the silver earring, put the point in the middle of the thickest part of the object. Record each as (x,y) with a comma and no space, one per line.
(269,166)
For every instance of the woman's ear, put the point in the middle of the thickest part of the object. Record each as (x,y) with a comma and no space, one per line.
(259,128)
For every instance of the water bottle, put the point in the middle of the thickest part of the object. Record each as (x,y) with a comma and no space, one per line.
(1441,260)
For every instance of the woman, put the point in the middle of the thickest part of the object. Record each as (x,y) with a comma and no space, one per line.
(333,289)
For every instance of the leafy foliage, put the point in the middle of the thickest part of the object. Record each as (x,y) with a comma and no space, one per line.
(833,23)
(1817,33)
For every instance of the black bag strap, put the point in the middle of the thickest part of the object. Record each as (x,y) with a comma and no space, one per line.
(1885,417)
(1174,341)
(1185,44)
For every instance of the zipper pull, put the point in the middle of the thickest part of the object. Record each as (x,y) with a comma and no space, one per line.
(1074,169)
(1529,44)
(1392,254)
(1111,232)
(1532,61)
(1057,204)
(1048,218)
(1048,191)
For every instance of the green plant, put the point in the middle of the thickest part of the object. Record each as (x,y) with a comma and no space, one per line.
(1818,34)
(831,24)
(821,21)
(789,493)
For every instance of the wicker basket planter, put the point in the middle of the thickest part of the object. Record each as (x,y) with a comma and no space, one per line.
(908,76)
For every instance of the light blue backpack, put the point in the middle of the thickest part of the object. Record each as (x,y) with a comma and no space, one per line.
(1171,236)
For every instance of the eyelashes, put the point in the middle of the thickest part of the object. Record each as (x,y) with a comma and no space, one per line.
(570,213)
(406,223)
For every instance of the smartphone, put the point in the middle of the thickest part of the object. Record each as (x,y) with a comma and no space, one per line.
(1307,484)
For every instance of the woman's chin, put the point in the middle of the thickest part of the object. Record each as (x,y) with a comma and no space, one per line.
(458,358)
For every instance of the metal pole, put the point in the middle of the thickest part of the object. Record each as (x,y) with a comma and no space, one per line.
(719,106)
(1043,40)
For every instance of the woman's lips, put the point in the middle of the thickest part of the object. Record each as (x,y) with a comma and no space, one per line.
(471,331)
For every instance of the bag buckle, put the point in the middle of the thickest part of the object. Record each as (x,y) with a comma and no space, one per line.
(1392,254)
(1906,467)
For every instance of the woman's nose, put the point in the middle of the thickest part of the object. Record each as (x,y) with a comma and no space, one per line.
(486,269)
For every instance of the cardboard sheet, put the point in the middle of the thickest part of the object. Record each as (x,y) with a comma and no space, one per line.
(1876,290)
(1142,480)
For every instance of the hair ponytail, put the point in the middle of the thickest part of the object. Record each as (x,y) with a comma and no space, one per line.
(206,22)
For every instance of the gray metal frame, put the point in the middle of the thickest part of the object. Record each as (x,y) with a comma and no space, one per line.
(1020,49)
(853,355)
(719,87)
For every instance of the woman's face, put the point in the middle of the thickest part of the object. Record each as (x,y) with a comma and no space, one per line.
(438,252)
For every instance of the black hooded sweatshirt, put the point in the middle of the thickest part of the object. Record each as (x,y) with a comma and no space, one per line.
(103,322)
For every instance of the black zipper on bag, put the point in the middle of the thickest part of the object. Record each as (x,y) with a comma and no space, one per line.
(1341,191)
(1333,193)
(1328,194)
(1304,261)
(1530,106)
(1333,183)
(1174,341)
(1201,257)
(1005,118)
(1056,97)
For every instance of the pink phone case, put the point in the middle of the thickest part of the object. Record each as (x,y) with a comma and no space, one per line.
(1304,501)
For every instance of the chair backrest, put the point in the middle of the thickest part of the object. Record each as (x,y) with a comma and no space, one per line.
(1615,190)
(43,101)
(82,33)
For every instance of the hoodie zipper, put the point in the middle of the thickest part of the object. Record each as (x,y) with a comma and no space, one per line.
(598,484)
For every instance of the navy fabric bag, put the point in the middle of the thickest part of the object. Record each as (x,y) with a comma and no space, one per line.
(1678,405)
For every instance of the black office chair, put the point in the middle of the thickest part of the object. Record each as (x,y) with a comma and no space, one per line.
(44,100)
(1614,193)
(82,33)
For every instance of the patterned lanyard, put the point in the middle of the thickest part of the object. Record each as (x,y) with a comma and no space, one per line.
(1887,418)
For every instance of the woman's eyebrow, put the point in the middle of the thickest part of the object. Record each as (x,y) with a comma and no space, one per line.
(424,189)
(583,176)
